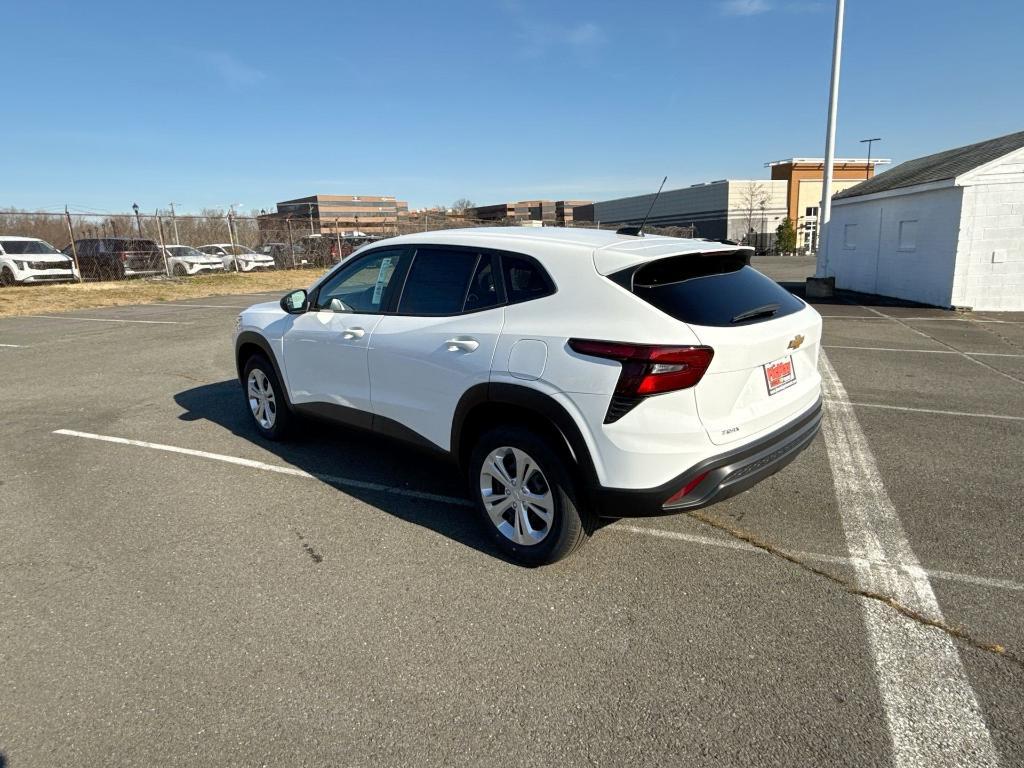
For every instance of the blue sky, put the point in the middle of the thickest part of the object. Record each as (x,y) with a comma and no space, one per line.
(214,103)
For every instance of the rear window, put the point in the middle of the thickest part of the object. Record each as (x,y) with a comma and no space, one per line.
(132,245)
(711,289)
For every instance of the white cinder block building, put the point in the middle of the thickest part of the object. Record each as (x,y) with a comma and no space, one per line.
(946,229)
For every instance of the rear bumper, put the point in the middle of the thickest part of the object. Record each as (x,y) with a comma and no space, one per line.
(725,475)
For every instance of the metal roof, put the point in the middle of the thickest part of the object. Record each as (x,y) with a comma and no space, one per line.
(938,167)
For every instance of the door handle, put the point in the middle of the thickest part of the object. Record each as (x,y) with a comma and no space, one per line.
(462,344)
(353,333)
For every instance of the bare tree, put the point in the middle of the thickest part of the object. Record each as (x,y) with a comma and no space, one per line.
(754,199)
(462,205)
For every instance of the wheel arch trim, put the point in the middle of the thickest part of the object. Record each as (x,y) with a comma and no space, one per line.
(530,399)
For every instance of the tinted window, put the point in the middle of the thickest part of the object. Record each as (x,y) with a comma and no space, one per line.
(524,279)
(438,282)
(363,286)
(483,289)
(718,291)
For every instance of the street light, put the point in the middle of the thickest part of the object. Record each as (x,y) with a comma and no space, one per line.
(825,212)
(138,221)
(869,142)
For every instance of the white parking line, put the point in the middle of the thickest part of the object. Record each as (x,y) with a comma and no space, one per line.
(107,319)
(13,346)
(1000,416)
(200,306)
(706,541)
(269,467)
(933,713)
(924,351)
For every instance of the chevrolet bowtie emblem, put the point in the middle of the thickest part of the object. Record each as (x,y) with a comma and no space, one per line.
(795,342)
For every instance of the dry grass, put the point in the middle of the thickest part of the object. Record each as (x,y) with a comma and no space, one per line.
(46,299)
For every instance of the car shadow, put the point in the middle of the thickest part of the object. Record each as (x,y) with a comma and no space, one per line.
(354,461)
(851,298)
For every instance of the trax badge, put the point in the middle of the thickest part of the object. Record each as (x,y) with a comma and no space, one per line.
(795,342)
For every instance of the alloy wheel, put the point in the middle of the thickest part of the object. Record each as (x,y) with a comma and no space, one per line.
(516,496)
(262,402)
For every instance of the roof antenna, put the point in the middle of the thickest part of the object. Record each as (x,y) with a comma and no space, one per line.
(639,231)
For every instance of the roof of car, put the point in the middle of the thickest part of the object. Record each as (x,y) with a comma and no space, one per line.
(19,238)
(610,250)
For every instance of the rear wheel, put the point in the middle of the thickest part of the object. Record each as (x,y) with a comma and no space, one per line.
(265,398)
(526,496)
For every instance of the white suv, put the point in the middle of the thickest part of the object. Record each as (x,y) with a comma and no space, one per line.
(30,260)
(573,374)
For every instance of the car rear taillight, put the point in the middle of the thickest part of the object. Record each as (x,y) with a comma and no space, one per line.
(646,369)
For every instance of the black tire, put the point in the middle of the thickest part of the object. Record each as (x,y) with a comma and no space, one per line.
(180,271)
(283,418)
(570,527)
(6,277)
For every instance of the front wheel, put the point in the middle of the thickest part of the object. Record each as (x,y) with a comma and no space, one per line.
(265,398)
(6,277)
(525,494)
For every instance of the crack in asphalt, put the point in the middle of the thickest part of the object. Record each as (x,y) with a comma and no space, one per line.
(959,633)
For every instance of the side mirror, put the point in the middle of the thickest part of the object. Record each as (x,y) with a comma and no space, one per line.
(296,302)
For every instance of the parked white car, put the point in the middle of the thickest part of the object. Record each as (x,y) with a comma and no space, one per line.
(185,260)
(571,373)
(30,260)
(239,257)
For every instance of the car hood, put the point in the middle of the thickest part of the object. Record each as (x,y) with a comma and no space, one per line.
(38,257)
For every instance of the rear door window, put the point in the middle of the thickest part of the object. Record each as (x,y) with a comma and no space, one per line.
(715,289)
(438,282)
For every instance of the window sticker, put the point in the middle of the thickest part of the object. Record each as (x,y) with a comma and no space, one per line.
(382,279)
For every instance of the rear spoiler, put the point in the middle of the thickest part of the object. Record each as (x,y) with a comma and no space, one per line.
(684,266)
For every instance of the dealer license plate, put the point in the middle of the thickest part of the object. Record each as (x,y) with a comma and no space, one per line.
(779,374)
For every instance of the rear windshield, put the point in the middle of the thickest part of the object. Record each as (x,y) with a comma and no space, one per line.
(132,245)
(712,289)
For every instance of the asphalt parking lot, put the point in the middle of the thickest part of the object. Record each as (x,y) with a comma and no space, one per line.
(175,590)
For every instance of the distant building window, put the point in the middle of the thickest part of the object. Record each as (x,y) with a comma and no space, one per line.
(908,235)
(850,237)
(812,211)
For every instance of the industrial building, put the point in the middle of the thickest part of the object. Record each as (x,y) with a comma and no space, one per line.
(745,210)
(327,214)
(946,229)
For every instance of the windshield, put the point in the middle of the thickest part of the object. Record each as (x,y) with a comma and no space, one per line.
(27,246)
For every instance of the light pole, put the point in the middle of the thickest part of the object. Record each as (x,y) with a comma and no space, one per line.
(174,221)
(311,230)
(138,220)
(869,142)
(825,212)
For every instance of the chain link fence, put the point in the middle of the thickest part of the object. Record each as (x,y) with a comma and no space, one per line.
(168,244)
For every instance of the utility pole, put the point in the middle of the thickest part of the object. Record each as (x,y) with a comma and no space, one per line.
(311,230)
(174,222)
(825,213)
(138,221)
(869,142)
(74,248)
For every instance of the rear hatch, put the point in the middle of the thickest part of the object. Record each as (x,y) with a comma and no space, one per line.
(141,256)
(765,340)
